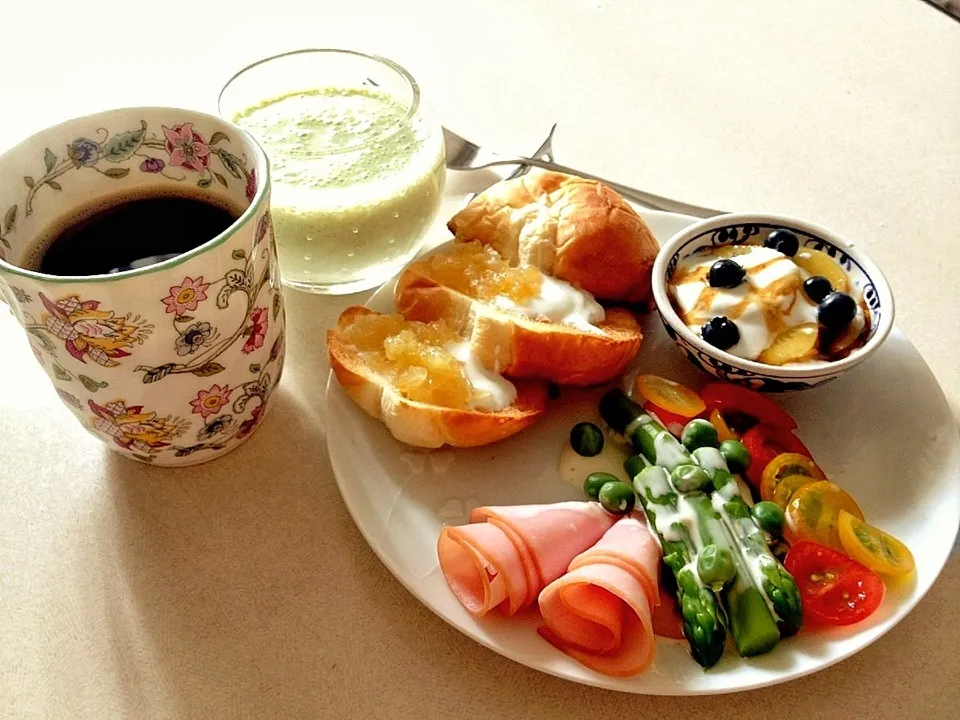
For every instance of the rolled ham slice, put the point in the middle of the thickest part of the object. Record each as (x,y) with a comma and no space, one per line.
(599,612)
(506,555)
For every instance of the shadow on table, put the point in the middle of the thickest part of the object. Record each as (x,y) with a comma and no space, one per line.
(242,588)
(217,566)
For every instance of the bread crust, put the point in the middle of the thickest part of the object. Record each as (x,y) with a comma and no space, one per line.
(422,424)
(519,347)
(572,228)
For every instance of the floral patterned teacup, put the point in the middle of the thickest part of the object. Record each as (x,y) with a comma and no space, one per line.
(173,363)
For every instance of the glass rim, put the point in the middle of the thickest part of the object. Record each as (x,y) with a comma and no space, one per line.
(411,112)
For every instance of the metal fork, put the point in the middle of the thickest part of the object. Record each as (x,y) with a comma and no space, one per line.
(461,154)
(544,152)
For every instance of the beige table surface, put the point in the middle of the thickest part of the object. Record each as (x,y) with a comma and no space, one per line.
(242,588)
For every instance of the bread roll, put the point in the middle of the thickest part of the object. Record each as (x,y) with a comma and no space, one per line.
(521,347)
(574,229)
(422,424)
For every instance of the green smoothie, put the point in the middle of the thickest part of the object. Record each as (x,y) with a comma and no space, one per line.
(357,181)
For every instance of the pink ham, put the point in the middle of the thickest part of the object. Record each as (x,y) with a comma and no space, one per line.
(599,612)
(507,555)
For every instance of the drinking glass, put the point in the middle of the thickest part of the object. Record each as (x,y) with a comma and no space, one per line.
(356,160)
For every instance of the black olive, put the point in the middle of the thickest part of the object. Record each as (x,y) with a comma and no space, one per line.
(836,311)
(726,274)
(721,333)
(783,241)
(817,288)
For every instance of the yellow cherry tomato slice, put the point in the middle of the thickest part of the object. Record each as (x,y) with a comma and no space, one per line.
(723,430)
(813,513)
(870,546)
(783,466)
(788,487)
(669,395)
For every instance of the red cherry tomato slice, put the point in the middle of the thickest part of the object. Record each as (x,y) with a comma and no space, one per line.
(834,589)
(666,618)
(736,399)
(764,443)
(671,421)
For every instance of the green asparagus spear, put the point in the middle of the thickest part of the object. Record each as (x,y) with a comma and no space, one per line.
(777,583)
(648,437)
(702,620)
(753,628)
(752,623)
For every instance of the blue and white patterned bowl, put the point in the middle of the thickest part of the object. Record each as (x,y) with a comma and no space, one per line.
(737,229)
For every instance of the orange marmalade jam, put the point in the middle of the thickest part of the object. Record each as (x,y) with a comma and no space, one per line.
(479,272)
(413,357)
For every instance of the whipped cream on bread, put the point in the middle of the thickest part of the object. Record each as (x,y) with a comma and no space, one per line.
(559,302)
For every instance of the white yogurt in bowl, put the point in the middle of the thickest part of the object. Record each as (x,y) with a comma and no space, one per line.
(799,356)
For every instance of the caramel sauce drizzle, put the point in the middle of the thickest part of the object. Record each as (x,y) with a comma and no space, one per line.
(768,298)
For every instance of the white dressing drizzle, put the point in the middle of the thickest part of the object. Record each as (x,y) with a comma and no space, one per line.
(710,459)
(495,392)
(752,560)
(659,482)
(669,451)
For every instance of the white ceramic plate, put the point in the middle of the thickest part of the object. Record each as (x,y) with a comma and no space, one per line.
(884,432)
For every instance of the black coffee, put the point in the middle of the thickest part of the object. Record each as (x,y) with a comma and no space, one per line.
(131,233)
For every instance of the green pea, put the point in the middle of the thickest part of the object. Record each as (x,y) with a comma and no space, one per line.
(595,481)
(769,517)
(687,478)
(736,455)
(699,433)
(715,566)
(634,465)
(586,439)
(617,498)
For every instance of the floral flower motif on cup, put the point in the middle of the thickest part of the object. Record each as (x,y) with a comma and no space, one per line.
(187,147)
(84,152)
(250,424)
(251,188)
(218,425)
(152,165)
(256,331)
(193,338)
(263,225)
(134,429)
(88,331)
(210,402)
(186,296)
(69,398)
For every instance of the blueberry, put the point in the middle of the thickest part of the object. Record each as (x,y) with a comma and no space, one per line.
(726,274)
(721,333)
(783,241)
(836,311)
(817,287)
